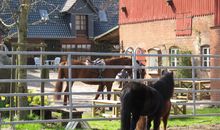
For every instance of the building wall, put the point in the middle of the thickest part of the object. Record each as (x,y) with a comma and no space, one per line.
(161,34)
(152,10)
(217,12)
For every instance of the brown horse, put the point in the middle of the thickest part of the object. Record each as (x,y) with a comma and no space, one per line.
(141,124)
(92,73)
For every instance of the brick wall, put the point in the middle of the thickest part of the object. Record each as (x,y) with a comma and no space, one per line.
(215,73)
(155,34)
(159,33)
(152,34)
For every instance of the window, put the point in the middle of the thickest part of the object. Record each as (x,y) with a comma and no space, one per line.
(173,59)
(76,48)
(81,24)
(205,50)
(68,47)
(154,61)
(44,15)
(102,16)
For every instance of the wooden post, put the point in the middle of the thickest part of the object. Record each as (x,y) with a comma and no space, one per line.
(42,85)
(12,86)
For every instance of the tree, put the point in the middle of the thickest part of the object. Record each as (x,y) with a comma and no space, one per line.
(18,20)
(21,22)
(19,17)
(22,60)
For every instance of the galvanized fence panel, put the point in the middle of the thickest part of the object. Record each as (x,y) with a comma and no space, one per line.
(194,103)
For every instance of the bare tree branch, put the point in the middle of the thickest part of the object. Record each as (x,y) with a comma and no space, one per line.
(8,26)
(52,9)
(11,35)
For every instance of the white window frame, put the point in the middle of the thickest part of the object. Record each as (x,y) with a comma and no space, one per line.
(174,61)
(81,22)
(205,60)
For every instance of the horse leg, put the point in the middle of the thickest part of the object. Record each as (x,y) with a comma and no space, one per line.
(157,123)
(109,89)
(141,124)
(66,97)
(134,120)
(149,119)
(100,89)
(165,117)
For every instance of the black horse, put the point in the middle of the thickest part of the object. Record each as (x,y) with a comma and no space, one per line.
(140,100)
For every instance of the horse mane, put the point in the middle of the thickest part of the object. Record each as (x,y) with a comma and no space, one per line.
(165,85)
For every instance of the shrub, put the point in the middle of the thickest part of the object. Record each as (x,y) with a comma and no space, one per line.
(36,100)
(184,61)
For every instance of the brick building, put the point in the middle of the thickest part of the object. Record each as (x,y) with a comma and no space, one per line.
(167,26)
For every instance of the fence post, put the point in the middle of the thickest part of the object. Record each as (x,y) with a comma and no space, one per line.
(69,59)
(42,85)
(193,86)
(134,66)
(12,86)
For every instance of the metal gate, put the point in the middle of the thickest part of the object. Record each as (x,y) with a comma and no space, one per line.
(36,72)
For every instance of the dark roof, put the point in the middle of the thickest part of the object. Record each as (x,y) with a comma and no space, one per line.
(66,7)
(56,27)
(111,9)
(111,36)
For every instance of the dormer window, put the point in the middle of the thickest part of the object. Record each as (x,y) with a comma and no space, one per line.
(44,15)
(81,24)
(103,16)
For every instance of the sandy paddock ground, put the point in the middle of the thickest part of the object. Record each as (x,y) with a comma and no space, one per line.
(77,87)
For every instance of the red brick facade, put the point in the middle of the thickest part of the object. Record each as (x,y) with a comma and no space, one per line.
(162,34)
(215,73)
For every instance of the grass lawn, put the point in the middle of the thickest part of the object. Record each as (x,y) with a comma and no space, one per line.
(115,124)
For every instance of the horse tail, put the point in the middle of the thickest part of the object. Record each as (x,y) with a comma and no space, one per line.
(59,84)
(125,111)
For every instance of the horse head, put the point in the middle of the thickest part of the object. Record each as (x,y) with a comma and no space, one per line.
(123,74)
